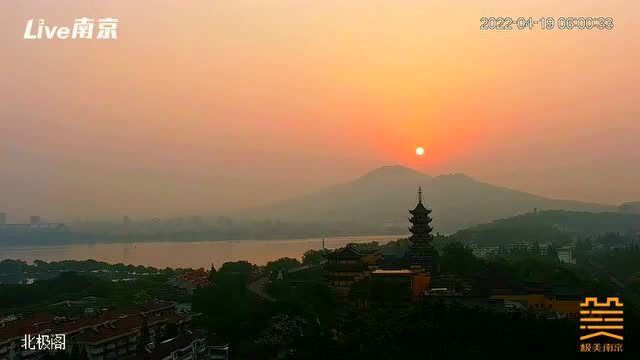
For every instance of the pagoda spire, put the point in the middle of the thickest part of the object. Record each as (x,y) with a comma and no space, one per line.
(419,194)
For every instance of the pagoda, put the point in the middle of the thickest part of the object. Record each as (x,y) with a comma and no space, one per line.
(421,252)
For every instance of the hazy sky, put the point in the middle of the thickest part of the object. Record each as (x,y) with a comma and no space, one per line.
(201,106)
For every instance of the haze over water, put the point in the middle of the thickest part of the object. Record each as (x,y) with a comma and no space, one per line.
(184,254)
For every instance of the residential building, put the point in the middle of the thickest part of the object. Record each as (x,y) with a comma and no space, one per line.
(107,335)
(194,345)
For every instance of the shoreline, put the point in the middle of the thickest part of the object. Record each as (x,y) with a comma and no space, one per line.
(182,254)
(194,241)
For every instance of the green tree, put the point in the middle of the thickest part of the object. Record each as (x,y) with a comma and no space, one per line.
(459,259)
(283,264)
(281,333)
(237,267)
(314,257)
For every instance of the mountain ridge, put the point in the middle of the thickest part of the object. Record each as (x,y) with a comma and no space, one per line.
(382,197)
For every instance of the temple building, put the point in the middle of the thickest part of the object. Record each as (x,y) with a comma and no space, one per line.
(346,266)
(421,251)
(367,277)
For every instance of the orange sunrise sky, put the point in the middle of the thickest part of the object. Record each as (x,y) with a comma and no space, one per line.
(204,106)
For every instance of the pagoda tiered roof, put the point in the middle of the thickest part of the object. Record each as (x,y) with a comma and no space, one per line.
(421,251)
(420,209)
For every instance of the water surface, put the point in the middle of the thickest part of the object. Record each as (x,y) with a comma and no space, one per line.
(184,254)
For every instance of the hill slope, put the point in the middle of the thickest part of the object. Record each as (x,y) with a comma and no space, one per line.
(383,197)
(549,226)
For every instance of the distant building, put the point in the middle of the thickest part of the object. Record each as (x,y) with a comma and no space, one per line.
(451,284)
(34,231)
(565,254)
(40,227)
(484,251)
(188,282)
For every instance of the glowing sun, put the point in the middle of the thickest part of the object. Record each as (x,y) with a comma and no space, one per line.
(419,151)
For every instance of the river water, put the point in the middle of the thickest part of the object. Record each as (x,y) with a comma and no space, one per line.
(184,254)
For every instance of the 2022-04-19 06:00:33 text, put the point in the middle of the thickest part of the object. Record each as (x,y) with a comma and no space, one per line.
(547,23)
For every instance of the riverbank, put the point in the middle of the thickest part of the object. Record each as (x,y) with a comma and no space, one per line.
(182,254)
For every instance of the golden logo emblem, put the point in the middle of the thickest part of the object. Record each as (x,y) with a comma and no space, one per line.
(601,321)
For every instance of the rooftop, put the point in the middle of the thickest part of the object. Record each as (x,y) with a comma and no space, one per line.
(392,272)
(170,346)
(40,322)
(198,277)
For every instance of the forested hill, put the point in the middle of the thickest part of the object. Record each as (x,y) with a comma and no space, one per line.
(550,226)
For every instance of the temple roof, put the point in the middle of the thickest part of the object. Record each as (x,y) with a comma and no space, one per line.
(420,208)
(347,252)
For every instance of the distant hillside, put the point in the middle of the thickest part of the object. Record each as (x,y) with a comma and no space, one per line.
(383,196)
(549,226)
